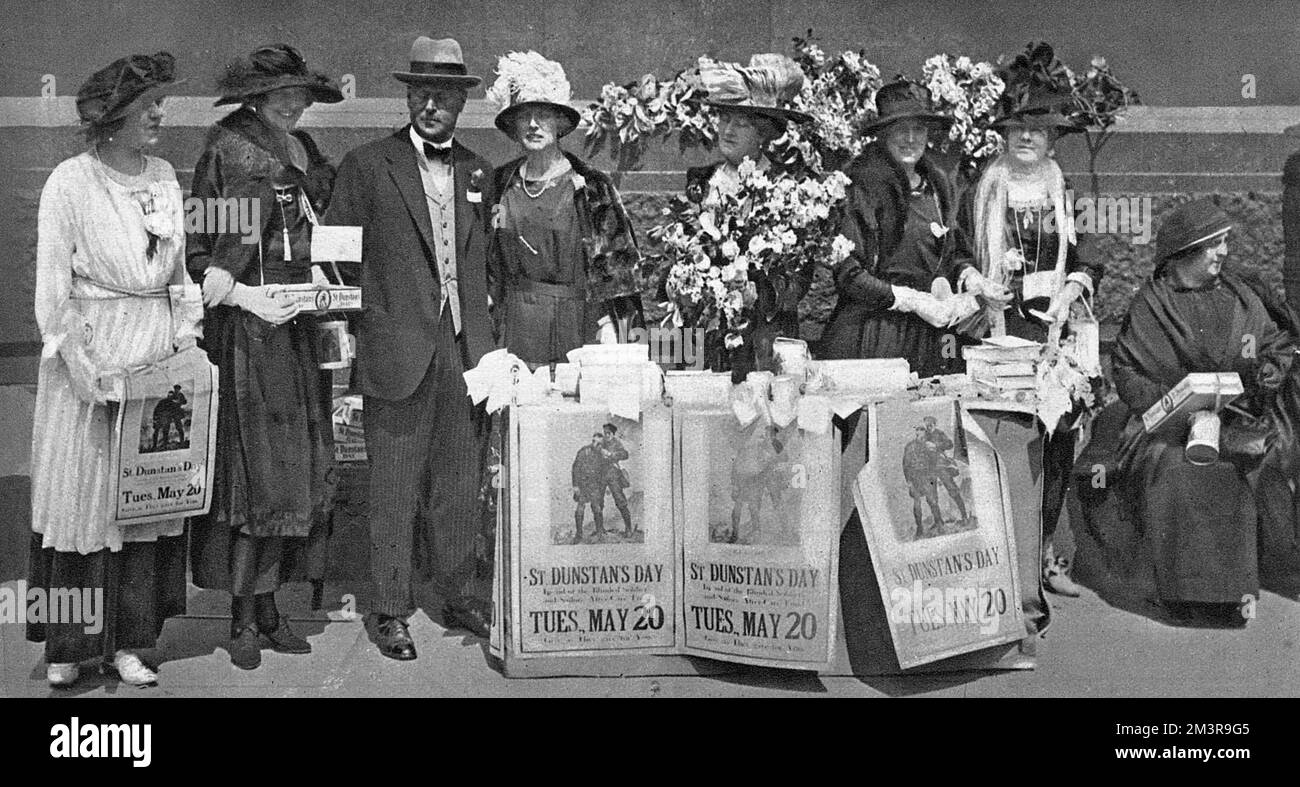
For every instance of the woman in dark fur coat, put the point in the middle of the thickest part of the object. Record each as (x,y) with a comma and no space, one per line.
(898,215)
(274,446)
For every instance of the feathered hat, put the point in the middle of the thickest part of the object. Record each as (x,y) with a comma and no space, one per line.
(271,68)
(765,87)
(1038,92)
(526,79)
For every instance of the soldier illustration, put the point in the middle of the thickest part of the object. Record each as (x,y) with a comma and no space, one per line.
(920,468)
(947,471)
(589,468)
(616,479)
(169,410)
(756,472)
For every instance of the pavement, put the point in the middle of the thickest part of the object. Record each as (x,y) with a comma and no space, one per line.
(1109,642)
(1092,649)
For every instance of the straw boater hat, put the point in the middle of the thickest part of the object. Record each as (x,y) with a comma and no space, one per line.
(526,79)
(904,99)
(111,91)
(271,68)
(437,62)
(1196,224)
(765,87)
(1037,92)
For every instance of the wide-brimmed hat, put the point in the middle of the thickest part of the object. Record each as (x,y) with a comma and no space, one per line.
(765,87)
(272,68)
(1040,107)
(527,79)
(109,92)
(904,99)
(438,61)
(1192,225)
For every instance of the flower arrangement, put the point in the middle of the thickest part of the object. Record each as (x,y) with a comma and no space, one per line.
(628,117)
(968,92)
(839,92)
(775,225)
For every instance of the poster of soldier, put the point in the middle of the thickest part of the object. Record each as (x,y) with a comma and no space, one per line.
(166,428)
(591,536)
(760,538)
(934,510)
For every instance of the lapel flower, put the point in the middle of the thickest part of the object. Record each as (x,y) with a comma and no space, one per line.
(579,182)
(937,229)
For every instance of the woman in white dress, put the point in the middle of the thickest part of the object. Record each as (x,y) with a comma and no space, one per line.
(110,240)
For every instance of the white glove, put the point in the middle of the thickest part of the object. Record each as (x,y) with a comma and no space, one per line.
(274,310)
(924,305)
(605,334)
(1059,308)
(217,284)
(905,298)
(976,283)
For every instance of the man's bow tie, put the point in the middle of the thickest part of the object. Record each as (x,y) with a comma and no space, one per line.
(433,153)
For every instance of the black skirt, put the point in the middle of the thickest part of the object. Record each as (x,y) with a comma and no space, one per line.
(134,591)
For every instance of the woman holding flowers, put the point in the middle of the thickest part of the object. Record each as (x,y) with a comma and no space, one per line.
(752,104)
(564,268)
(898,216)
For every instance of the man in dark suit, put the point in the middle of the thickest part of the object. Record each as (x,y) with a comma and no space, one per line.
(418,195)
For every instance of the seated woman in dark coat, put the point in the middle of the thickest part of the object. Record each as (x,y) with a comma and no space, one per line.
(900,208)
(1200,521)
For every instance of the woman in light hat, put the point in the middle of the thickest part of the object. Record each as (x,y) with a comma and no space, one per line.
(110,239)
(753,106)
(899,212)
(272,482)
(1024,261)
(1200,521)
(564,268)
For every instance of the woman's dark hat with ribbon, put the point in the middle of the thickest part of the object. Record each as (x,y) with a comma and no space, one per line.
(111,91)
(271,68)
(904,99)
(1194,225)
(1037,92)
(437,62)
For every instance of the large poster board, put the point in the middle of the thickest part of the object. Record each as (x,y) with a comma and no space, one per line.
(936,517)
(759,532)
(591,539)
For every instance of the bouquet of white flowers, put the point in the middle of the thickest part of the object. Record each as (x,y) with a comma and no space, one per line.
(775,224)
(968,92)
(628,117)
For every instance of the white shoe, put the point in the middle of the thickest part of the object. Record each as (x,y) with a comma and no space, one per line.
(132,670)
(62,675)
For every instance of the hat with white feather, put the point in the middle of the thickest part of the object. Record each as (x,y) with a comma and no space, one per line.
(526,79)
(765,87)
